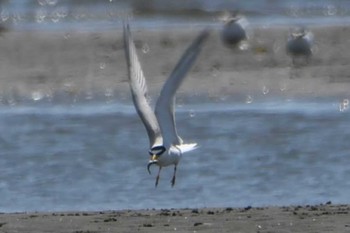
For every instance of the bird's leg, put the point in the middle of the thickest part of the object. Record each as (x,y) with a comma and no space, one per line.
(157,179)
(293,61)
(174,177)
(308,59)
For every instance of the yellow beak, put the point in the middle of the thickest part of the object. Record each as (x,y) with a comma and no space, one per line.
(154,157)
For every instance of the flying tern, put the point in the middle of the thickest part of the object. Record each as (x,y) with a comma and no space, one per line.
(166,147)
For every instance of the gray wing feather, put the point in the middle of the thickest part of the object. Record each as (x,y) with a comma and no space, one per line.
(165,105)
(138,88)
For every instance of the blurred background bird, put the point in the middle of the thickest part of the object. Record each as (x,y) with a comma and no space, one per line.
(234,32)
(299,45)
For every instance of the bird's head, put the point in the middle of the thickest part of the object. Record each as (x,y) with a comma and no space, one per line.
(155,152)
(228,17)
(299,33)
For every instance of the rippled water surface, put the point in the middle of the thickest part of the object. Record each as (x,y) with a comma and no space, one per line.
(94,156)
(97,15)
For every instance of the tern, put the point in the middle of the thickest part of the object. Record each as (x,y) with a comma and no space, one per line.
(299,44)
(166,147)
(234,30)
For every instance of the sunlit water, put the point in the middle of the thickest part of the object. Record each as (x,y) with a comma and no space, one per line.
(94,157)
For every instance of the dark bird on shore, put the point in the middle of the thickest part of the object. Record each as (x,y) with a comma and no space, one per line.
(299,44)
(234,31)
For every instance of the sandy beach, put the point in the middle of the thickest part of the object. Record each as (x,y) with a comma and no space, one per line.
(80,63)
(316,218)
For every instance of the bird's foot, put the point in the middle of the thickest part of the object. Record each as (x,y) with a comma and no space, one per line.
(173,181)
(157,181)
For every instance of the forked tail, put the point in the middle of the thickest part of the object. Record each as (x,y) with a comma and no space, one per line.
(187,147)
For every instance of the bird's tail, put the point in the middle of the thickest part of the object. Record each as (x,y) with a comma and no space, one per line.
(187,147)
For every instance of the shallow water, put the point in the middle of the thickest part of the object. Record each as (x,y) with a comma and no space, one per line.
(99,15)
(93,157)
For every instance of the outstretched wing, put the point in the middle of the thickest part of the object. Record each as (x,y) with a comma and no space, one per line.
(166,102)
(139,90)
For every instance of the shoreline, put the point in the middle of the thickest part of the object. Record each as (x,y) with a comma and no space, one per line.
(85,65)
(316,218)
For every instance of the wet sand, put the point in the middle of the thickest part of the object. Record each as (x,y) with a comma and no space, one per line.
(85,65)
(317,218)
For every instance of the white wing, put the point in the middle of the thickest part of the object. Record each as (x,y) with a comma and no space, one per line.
(309,37)
(139,90)
(165,104)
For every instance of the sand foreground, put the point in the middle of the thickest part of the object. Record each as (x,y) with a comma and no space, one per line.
(316,218)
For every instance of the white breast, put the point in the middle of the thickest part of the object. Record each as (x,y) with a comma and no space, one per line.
(171,157)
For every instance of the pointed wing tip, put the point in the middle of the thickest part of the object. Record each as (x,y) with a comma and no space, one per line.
(203,36)
(126,26)
(125,21)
